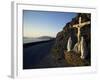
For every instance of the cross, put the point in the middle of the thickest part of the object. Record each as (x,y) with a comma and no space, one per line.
(79,26)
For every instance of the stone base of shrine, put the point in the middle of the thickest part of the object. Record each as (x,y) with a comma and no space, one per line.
(74,59)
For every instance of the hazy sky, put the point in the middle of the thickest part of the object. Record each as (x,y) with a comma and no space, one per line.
(44,23)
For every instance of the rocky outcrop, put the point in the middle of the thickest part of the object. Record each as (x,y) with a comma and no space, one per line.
(68,31)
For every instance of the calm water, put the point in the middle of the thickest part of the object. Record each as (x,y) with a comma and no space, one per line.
(29,40)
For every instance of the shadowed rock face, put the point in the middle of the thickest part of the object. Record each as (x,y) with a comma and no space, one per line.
(69,31)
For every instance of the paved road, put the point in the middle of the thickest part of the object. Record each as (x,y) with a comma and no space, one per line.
(33,54)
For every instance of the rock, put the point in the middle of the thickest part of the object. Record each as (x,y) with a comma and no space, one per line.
(68,31)
(74,59)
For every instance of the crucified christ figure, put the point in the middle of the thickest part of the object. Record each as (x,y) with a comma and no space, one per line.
(79,26)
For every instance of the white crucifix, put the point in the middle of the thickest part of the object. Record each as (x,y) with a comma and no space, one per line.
(79,26)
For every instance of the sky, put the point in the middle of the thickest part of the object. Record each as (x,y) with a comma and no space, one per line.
(44,23)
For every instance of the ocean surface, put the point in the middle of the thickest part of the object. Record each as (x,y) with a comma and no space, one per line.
(29,40)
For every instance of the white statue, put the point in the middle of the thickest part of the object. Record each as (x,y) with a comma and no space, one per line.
(75,49)
(69,44)
(83,48)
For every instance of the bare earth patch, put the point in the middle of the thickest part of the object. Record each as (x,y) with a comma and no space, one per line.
(74,59)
